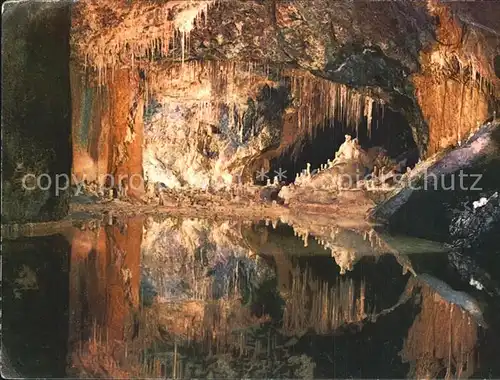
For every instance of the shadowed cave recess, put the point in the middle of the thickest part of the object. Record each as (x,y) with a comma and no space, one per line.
(250,189)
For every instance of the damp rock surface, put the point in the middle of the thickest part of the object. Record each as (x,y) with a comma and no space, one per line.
(36,111)
(444,183)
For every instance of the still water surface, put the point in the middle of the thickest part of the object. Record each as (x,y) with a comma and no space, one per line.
(191,298)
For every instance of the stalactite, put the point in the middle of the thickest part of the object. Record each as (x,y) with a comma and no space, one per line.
(320,101)
(369,114)
(103,53)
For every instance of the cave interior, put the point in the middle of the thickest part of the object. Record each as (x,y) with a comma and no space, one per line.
(230,115)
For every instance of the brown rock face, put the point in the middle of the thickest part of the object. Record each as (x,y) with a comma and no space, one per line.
(452,109)
(455,88)
(108,130)
(104,266)
(127,128)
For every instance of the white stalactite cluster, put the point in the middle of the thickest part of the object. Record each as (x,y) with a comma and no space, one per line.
(133,31)
(321,101)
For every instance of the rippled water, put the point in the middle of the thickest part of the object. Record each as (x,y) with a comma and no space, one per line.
(184,298)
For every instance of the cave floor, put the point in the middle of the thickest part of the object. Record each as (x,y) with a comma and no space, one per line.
(348,210)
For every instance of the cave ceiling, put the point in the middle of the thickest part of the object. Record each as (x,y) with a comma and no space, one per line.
(357,43)
(382,49)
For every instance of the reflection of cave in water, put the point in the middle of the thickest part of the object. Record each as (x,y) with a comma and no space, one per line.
(442,340)
(297,312)
(314,304)
(236,276)
(390,130)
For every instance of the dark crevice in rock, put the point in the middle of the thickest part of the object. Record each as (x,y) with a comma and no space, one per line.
(390,131)
(496,64)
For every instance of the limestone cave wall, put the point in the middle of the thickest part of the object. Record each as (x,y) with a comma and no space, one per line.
(108,128)
(252,79)
(431,62)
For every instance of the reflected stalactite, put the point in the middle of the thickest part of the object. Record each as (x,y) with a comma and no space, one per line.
(442,340)
(346,246)
(315,304)
(193,259)
(104,288)
(96,357)
(215,326)
(204,282)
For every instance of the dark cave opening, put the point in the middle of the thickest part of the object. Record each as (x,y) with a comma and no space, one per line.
(496,65)
(390,130)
